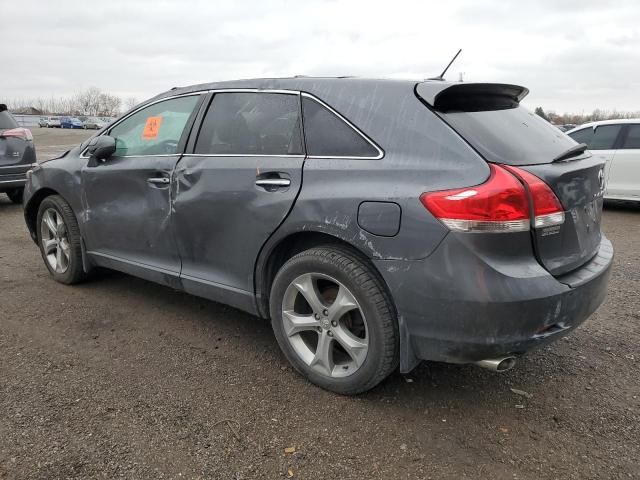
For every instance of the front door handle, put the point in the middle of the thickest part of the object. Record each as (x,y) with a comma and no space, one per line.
(273,182)
(159,180)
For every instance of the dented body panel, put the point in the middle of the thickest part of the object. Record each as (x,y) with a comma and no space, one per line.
(212,231)
(475,300)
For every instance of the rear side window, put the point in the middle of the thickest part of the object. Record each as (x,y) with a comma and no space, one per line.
(583,136)
(327,135)
(633,138)
(604,138)
(7,121)
(247,123)
(154,130)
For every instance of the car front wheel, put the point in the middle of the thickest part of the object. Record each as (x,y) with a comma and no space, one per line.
(59,240)
(334,320)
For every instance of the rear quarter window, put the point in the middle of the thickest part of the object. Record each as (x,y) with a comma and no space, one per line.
(328,135)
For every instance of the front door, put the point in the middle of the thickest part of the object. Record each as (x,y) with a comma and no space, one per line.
(128,196)
(234,189)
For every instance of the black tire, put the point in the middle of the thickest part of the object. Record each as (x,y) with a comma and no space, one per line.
(365,284)
(74,272)
(15,195)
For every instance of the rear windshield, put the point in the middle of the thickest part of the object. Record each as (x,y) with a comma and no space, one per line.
(7,121)
(514,136)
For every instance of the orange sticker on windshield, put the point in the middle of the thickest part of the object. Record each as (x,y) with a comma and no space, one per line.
(152,128)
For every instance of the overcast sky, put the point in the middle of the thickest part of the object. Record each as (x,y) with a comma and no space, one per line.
(574,55)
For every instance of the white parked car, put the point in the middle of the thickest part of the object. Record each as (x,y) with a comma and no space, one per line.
(49,122)
(618,142)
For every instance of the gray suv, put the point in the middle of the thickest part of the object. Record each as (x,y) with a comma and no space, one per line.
(17,155)
(375,223)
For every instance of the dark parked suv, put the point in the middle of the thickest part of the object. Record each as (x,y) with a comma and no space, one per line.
(376,223)
(17,155)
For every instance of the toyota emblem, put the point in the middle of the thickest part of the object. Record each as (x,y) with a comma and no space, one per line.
(601,178)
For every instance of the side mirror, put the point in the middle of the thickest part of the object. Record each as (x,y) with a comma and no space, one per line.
(101,148)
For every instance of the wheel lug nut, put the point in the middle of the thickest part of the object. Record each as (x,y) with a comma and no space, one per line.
(334,323)
(325,312)
(330,333)
(316,316)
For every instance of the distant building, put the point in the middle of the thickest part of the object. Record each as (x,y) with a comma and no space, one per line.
(27,111)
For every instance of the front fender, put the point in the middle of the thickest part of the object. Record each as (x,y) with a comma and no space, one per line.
(61,176)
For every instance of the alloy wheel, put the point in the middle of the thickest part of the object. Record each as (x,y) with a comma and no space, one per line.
(325,325)
(55,240)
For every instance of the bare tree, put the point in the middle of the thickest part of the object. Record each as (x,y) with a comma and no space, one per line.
(109,105)
(130,102)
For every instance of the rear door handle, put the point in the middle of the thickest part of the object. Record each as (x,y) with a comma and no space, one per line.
(273,182)
(159,180)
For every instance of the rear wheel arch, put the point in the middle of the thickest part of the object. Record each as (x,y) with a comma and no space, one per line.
(276,255)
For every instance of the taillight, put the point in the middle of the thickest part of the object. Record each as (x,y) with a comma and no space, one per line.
(501,204)
(23,133)
(547,210)
(498,205)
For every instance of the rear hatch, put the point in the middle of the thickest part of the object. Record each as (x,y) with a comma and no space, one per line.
(490,118)
(11,148)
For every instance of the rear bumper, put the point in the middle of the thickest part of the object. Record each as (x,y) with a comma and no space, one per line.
(13,176)
(9,182)
(462,306)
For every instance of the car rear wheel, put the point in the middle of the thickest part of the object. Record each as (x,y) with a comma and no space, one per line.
(334,320)
(59,240)
(15,195)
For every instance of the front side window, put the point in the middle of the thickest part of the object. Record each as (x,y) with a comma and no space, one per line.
(248,123)
(327,135)
(154,130)
(633,138)
(604,138)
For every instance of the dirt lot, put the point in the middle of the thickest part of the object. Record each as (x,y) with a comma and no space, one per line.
(120,378)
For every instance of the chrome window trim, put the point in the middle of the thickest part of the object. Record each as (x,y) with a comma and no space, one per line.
(251,90)
(243,155)
(356,129)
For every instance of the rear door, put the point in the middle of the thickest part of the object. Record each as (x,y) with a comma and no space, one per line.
(603,141)
(234,188)
(128,197)
(624,180)
(489,117)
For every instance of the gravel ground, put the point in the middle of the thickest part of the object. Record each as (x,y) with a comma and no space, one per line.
(121,378)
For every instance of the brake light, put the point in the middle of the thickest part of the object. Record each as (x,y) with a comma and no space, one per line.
(498,205)
(23,133)
(547,210)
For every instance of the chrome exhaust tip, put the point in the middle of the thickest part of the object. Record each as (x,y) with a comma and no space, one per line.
(498,364)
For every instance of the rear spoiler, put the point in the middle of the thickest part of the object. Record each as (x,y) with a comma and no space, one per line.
(470,97)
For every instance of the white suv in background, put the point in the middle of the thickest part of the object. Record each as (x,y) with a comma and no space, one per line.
(618,142)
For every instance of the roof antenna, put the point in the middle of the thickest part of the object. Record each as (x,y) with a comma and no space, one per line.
(441,76)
